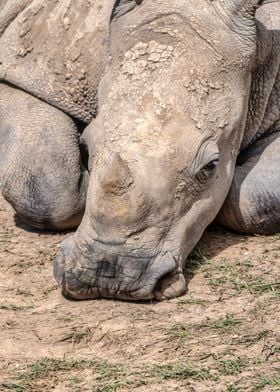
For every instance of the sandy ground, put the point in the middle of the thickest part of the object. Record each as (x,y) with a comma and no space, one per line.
(223,335)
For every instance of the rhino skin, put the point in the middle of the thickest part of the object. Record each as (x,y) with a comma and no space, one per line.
(50,52)
(139,122)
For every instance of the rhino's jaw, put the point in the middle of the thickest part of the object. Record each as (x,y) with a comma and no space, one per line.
(122,277)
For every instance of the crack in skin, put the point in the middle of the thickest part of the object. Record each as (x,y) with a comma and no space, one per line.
(15,11)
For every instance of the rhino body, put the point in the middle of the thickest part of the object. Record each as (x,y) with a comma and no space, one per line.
(140,122)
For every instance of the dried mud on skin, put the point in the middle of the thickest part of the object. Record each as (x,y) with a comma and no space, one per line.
(223,335)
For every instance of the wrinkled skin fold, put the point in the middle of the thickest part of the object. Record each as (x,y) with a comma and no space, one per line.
(187,126)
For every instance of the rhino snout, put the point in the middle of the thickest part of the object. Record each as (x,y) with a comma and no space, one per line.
(122,277)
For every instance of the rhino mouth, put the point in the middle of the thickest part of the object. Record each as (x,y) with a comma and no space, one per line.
(120,277)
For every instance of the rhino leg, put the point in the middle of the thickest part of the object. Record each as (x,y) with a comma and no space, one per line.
(253,203)
(41,174)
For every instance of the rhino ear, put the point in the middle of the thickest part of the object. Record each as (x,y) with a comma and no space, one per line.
(124,6)
(242,14)
(247,8)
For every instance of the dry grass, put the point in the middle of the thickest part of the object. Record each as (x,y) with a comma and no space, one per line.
(223,335)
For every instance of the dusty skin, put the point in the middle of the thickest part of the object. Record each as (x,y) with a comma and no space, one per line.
(223,335)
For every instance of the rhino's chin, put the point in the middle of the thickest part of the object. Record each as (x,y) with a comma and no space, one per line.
(120,277)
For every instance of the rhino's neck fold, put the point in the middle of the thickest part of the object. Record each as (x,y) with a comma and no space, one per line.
(264,104)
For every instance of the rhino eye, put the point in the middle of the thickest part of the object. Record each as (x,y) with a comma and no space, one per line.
(207,171)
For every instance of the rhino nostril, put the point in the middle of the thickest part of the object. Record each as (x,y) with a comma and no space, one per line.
(59,269)
(170,285)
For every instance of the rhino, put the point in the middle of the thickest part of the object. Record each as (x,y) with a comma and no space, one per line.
(139,122)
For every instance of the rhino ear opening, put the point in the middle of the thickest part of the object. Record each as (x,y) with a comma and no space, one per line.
(124,6)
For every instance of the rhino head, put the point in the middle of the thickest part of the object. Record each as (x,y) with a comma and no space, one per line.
(172,110)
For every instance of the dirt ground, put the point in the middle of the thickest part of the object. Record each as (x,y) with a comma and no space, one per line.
(223,335)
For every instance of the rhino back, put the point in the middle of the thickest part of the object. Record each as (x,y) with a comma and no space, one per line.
(55,50)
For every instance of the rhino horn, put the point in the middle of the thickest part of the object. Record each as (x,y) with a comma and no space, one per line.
(117,177)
